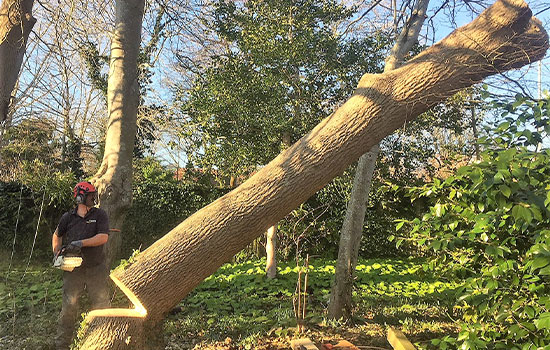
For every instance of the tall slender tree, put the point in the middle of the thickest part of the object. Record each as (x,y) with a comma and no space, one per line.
(503,37)
(340,304)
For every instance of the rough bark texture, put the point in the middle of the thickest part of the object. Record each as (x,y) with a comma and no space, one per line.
(502,38)
(271,252)
(340,304)
(114,177)
(16,22)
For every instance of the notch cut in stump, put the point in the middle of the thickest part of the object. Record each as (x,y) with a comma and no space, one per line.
(398,340)
(303,344)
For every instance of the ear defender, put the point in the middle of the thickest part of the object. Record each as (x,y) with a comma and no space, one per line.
(79,199)
(81,190)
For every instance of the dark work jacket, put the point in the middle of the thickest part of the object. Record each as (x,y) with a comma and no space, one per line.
(72,227)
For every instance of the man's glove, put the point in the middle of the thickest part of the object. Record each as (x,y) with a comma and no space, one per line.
(74,247)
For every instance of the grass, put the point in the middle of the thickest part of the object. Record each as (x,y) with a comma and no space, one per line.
(238,308)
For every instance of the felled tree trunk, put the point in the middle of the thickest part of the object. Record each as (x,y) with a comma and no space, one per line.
(16,22)
(114,177)
(501,38)
(340,304)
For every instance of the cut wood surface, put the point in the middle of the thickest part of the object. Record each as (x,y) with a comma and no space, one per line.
(503,37)
(398,340)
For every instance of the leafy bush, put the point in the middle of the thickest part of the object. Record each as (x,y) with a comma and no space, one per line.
(34,205)
(490,223)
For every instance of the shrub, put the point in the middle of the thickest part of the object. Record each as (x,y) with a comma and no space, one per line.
(489,222)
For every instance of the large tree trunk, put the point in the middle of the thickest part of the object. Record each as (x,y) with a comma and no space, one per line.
(114,177)
(340,304)
(501,38)
(16,22)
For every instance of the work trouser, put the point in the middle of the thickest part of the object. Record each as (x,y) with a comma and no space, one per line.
(95,281)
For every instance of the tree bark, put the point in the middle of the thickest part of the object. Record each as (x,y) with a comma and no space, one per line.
(340,303)
(16,22)
(114,177)
(474,132)
(271,252)
(503,37)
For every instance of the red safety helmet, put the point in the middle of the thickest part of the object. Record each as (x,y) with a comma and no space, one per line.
(81,190)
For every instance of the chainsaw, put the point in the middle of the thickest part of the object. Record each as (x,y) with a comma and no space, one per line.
(67,259)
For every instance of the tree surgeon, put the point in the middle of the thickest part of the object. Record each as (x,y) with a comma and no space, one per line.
(82,232)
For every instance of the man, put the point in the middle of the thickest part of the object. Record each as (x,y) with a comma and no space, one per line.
(84,230)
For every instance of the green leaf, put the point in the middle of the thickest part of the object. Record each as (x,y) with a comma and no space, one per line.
(543,322)
(493,251)
(481,206)
(505,190)
(529,311)
(545,271)
(499,177)
(521,212)
(439,210)
(452,194)
(540,262)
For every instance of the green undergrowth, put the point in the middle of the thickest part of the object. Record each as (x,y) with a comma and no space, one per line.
(30,300)
(239,303)
(238,308)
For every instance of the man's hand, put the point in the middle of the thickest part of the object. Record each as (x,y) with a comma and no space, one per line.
(74,247)
(59,252)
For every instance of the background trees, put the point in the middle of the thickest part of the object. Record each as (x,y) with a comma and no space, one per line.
(215,233)
(284,67)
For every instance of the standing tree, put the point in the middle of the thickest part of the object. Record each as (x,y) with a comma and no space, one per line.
(16,22)
(503,37)
(340,303)
(114,177)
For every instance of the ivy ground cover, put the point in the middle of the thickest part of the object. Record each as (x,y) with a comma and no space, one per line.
(238,308)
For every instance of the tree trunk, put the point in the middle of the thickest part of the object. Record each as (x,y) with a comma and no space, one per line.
(271,234)
(340,304)
(271,252)
(114,177)
(16,22)
(474,132)
(501,38)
